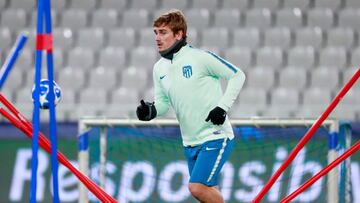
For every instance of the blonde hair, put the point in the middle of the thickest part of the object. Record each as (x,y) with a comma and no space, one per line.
(175,19)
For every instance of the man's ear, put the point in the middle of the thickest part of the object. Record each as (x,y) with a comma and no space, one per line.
(179,35)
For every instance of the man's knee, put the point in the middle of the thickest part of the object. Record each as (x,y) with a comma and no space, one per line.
(196,189)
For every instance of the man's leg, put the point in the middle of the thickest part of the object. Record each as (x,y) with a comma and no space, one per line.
(204,175)
(205,194)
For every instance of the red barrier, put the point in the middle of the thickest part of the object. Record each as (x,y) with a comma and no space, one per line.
(19,121)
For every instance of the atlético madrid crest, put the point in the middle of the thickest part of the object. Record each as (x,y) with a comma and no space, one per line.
(187,71)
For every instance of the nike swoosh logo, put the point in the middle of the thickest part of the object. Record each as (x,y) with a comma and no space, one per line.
(209,149)
(162,77)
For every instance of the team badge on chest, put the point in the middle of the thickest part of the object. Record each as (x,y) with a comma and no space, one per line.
(187,71)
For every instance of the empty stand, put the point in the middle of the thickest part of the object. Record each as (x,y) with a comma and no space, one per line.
(268,4)
(169,4)
(71,78)
(333,56)
(27,5)
(228,18)
(134,78)
(239,4)
(81,57)
(341,37)
(247,37)
(277,37)
(143,57)
(105,18)
(63,38)
(309,36)
(122,37)
(302,4)
(259,18)
(118,5)
(74,19)
(135,18)
(217,37)
(240,57)
(261,78)
(14,19)
(208,4)
(302,57)
(348,18)
(320,17)
(87,5)
(293,78)
(102,78)
(198,18)
(112,57)
(5,38)
(291,18)
(91,38)
(141,4)
(330,4)
(325,78)
(269,56)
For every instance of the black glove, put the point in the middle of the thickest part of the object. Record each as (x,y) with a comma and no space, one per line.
(217,116)
(146,111)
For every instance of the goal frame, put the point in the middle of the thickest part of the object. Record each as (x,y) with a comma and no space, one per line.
(86,123)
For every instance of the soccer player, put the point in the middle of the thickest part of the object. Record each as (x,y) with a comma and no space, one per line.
(188,80)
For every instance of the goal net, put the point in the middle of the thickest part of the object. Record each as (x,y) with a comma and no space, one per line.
(143,161)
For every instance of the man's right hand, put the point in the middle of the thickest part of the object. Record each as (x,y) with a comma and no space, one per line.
(146,111)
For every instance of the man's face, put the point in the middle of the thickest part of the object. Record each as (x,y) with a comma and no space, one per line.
(165,37)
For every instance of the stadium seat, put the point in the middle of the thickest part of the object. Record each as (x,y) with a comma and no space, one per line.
(301,4)
(341,37)
(81,57)
(68,75)
(325,78)
(141,4)
(293,78)
(169,4)
(74,19)
(26,5)
(240,57)
(143,57)
(147,38)
(227,18)
(303,57)
(91,38)
(5,38)
(273,5)
(330,4)
(63,38)
(118,5)
(320,17)
(125,96)
(207,4)
(122,37)
(348,73)
(134,78)
(93,98)
(251,102)
(269,56)
(26,59)
(103,78)
(242,5)
(348,18)
(277,37)
(258,18)
(309,37)
(291,18)
(112,57)
(355,57)
(348,106)
(218,37)
(14,19)
(58,59)
(284,103)
(198,18)
(315,100)
(14,80)
(34,17)
(193,36)
(105,18)
(88,5)
(261,78)
(316,97)
(59,6)
(352,4)
(333,56)
(247,37)
(135,18)
(2,4)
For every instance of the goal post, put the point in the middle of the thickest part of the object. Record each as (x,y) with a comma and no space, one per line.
(261,144)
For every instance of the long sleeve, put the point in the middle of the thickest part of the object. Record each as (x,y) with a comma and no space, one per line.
(161,100)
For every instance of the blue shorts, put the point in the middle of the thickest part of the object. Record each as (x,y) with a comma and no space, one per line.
(205,161)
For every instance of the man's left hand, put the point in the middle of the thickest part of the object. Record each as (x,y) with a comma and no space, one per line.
(217,116)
